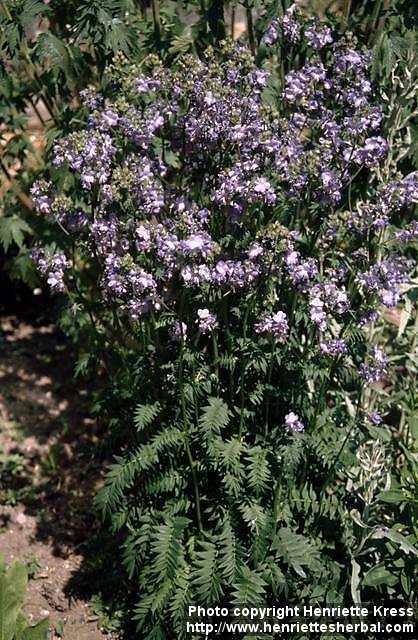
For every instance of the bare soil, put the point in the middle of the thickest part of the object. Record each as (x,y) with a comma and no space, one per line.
(48,475)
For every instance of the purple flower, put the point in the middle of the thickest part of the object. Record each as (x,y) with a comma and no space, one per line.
(371,153)
(409,234)
(276,324)
(333,348)
(91,98)
(301,272)
(318,37)
(206,321)
(109,118)
(385,279)
(200,244)
(331,186)
(255,250)
(290,25)
(374,418)
(40,195)
(272,33)
(292,423)
(317,313)
(52,266)
(375,366)
(367,317)
(325,299)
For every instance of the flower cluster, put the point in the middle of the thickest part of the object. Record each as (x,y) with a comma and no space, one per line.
(324,299)
(385,279)
(52,266)
(375,366)
(389,199)
(374,418)
(275,324)
(89,153)
(196,197)
(293,423)
(333,348)
(289,29)
(206,320)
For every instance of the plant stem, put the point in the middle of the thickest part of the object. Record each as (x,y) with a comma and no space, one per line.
(157,19)
(242,376)
(186,431)
(216,355)
(36,110)
(233,15)
(250,29)
(216,19)
(347,9)
(373,20)
(276,499)
(192,462)
(36,78)
(6,10)
(269,376)
(229,343)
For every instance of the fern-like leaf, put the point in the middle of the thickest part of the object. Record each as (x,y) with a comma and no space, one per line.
(249,587)
(215,416)
(296,550)
(258,469)
(145,415)
(206,576)
(228,551)
(167,549)
(121,475)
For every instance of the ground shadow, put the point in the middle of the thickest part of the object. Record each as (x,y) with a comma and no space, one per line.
(44,416)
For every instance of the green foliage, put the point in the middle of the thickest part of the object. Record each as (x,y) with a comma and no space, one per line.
(212,500)
(208,497)
(215,416)
(12,229)
(296,550)
(206,574)
(13,624)
(249,588)
(145,414)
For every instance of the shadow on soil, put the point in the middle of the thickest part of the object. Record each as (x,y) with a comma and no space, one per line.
(44,423)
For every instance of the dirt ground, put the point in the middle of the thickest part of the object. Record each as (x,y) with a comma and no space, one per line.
(47,475)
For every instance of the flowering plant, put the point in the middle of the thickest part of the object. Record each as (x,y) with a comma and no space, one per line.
(235,242)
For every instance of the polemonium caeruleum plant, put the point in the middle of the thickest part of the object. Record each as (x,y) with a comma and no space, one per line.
(234,244)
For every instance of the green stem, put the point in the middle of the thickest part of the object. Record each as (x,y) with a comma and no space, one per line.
(36,110)
(373,19)
(229,343)
(347,9)
(157,19)
(323,392)
(276,499)
(269,376)
(216,355)
(186,430)
(186,433)
(90,314)
(242,375)
(36,78)
(6,10)
(233,15)
(250,29)
(216,20)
